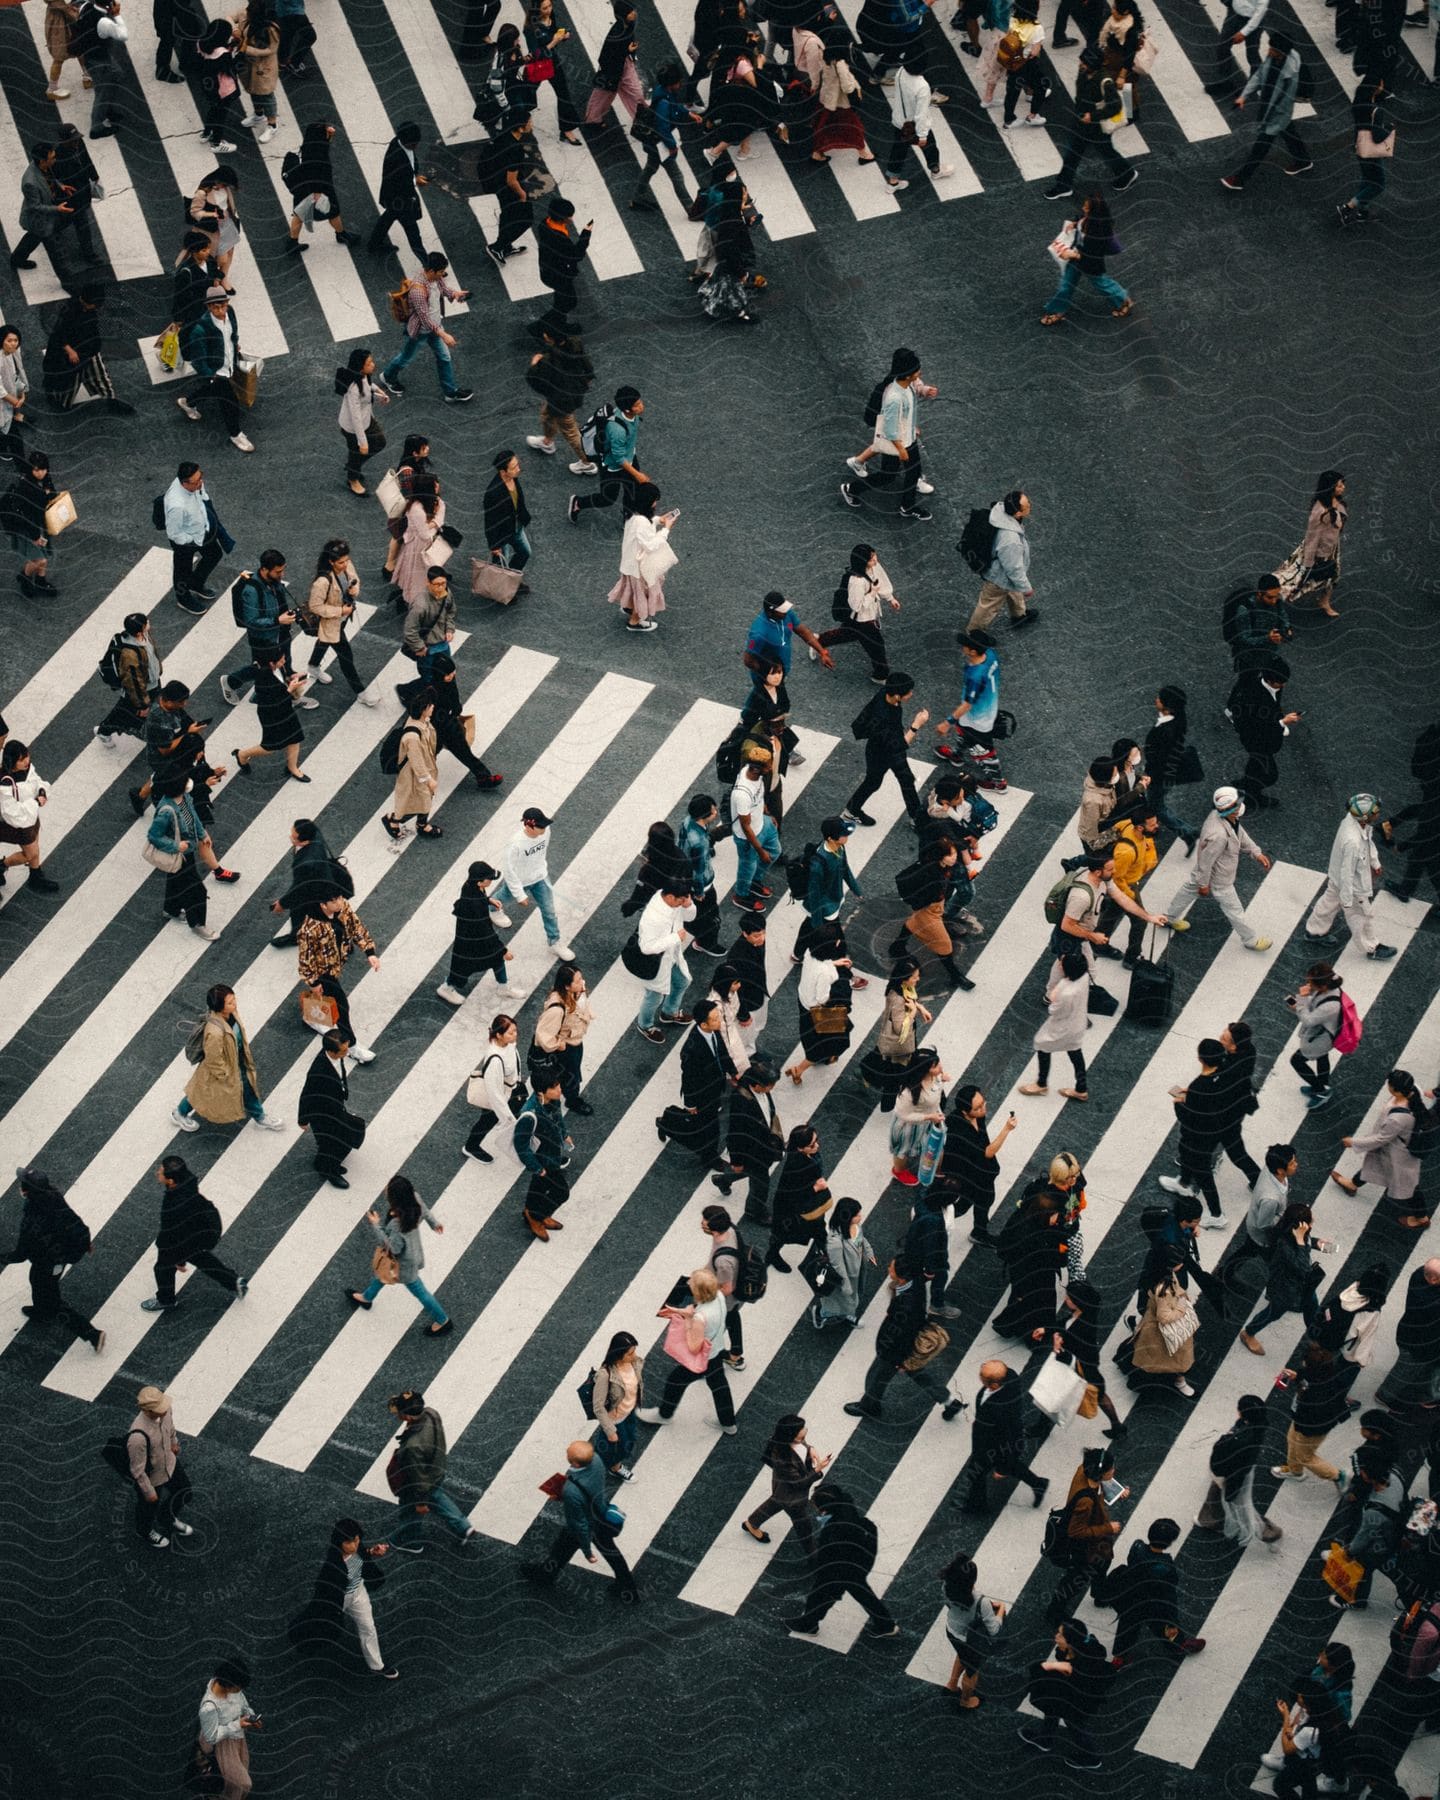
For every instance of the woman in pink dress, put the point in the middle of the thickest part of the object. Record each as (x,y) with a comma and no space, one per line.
(423,518)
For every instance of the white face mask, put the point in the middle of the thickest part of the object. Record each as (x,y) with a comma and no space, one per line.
(189,787)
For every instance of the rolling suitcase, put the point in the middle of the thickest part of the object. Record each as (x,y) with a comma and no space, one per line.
(1152,987)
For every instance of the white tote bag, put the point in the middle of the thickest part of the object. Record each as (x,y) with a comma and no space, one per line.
(1058,1388)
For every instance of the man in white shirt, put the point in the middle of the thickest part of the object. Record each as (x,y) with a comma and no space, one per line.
(756,839)
(194,540)
(527,876)
(660,937)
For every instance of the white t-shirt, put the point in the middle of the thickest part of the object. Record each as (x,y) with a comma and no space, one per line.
(747,800)
(713,1314)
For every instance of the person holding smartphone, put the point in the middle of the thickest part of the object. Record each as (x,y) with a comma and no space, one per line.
(645,559)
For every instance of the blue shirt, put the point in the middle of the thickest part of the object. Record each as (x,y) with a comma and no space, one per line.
(982,690)
(772,637)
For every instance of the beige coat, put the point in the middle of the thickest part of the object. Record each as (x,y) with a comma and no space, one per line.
(152,1461)
(837,84)
(214,1089)
(1151,1355)
(897,1039)
(558,1027)
(259,65)
(327,600)
(58,18)
(413,794)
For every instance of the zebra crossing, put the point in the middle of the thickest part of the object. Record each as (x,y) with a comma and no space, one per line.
(344,292)
(304,1382)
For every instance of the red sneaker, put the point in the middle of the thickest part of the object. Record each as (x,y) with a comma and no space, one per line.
(227,874)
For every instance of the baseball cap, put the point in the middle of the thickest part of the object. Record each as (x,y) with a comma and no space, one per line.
(777,603)
(532,815)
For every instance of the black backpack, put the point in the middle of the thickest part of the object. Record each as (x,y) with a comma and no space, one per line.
(244,580)
(110,662)
(797,872)
(872,405)
(913,883)
(1232,607)
(389,752)
(977,540)
(71,1235)
(840,604)
(592,441)
(728,757)
(864,721)
(753,1279)
(1056,1546)
(157,512)
(289,166)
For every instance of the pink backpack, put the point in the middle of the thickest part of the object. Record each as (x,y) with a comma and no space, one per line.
(1352,1029)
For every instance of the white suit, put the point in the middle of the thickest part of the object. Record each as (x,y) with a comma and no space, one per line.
(1349,885)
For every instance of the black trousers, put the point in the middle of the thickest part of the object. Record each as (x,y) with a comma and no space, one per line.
(217,388)
(1224,66)
(1314,1072)
(185,892)
(123,717)
(1077,1063)
(824,1594)
(757,1192)
(1090,137)
(877,766)
(344,656)
(615,485)
(1198,1171)
(158,1515)
(985,1494)
(1233,1144)
(192,564)
(355,460)
(867,634)
(516,215)
(46,1302)
(899,150)
(206,1261)
(566,1543)
(450,735)
(409,223)
(1262,769)
(656,159)
(547,1193)
(713,1375)
(297,34)
(1259,150)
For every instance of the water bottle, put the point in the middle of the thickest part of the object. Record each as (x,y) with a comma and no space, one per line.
(930,1155)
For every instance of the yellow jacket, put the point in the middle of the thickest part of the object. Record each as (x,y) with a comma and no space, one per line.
(1135,856)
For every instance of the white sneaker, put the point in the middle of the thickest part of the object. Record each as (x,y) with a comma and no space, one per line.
(539,443)
(924,487)
(854,464)
(584,468)
(265,136)
(1034,119)
(451,996)
(308,701)
(323,676)
(158,1542)
(562,953)
(1215,1221)
(227,693)
(186,1121)
(990,105)
(1182,1386)
(1273,1759)
(369,699)
(361,1053)
(515,990)
(250,123)
(105,737)
(500,917)
(184,1529)
(224,144)
(204,931)
(268,1122)
(54,93)
(896,186)
(649,1415)
(190,412)
(241,442)
(945,171)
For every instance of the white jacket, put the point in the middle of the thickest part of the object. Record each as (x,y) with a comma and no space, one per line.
(1353,864)
(1065,1027)
(641,534)
(501,1074)
(816,980)
(659,934)
(914,94)
(20,798)
(865,595)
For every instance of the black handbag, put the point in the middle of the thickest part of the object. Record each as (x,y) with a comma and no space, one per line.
(1101,1001)
(644,127)
(818,1271)
(636,960)
(451,536)
(1188,768)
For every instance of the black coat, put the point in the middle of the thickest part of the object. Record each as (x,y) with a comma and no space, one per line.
(1236,1077)
(901,1325)
(748,962)
(1234,1455)
(315,876)
(749,1139)
(703,1075)
(79,327)
(314,173)
(795,1195)
(1147,1589)
(1256,713)
(322,1105)
(848,1546)
(188,1221)
(398,193)
(562,375)
(1163,744)
(322,1625)
(1204,1112)
(476,944)
(927,1241)
(187,293)
(998,1425)
(561,257)
(503,518)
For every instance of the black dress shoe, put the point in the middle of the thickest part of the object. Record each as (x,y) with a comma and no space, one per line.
(777,1261)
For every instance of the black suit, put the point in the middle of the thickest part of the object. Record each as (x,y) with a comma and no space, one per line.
(752,1142)
(1256,713)
(337,1131)
(705,1071)
(997,1445)
(399,200)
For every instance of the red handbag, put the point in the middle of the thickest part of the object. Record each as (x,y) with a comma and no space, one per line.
(540,68)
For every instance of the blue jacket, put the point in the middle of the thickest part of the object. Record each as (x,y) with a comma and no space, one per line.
(620,436)
(773,637)
(583,1496)
(175,821)
(670,110)
(261,603)
(539,1135)
(829,877)
(694,840)
(1277,89)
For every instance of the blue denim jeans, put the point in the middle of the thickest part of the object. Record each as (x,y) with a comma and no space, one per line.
(621,1451)
(412,1520)
(543,895)
(418,1288)
(1372,181)
(517,552)
(749,863)
(410,349)
(253,1104)
(654,999)
(1059,301)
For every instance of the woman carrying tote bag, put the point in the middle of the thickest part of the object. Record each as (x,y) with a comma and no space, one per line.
(645,559)
(1374,146)
(1165,1342)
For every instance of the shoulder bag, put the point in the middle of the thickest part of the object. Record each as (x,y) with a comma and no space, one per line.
(385,1265)
(169,862)
(677,1347)
(490,580)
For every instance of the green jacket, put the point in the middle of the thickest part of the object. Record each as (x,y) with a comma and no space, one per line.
(422,1455)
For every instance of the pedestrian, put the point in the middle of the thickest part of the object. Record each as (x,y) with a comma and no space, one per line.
(173,744)
(1374,146)
(1269,1200)
(213,51)
(297,35)
(838,125)
(1202,1108)
(560,374)
(974,1155)
(1077,1335)
(225,1718)
(429,618)
(60,17)
(1377,1494)
(971,1619)
(670,111)
(1229,1504)
(323,1108)
(275,701)
(425,297)
(138,667)
(823,992)
(503,168)
(1319,1008)
(1164,1343)
(1240,25)
(660,940)
(224,1088)
(707,1071)
(324,942)
(543,1146)
(1312,1736)
(1033,1247)
(907,1342)
(754,1141)
(400,184)
(1389,1159)
(887,742)
(51,1237)
(1099,114)
(14,390)
(257,49)
(615,71)
(1291,1277)
(1145,1592)
(310,176)
(559,1035)
(350,1571)
(416,773)
(527,878)
(1064,1028)
(897,433)
(22,513)
(848,1250)
(562,256)
(1082,248)
(695,1342)
(416,1474)
(363,437)
(161,1479)
(543,37)
(794,1468)
(617,1388)
(699,832)
(591,1524)
(1256,623)
(1006,581)
(1415,1378)
(1219,846)
(400,1255)
(615,435)
(1088,1533)
(195,537)
(79,180)
(334,594)
(1275,84)
(977,716)
(23,793)
(99,32)
(859,601)
(74,352)
(44,204)
(646,556)
(1017,54)
(747,957)
(497,1087)
(1350,882)
(882,1069)
(843,1563)
(1166,756)
(828,877)
(1237,1077)
(1316,559)
(1135,856)
(802,1197)
(190,1228)
(314,874)
(727,1261)
(919,1104)
(416,568)
(268,609)
(476,948)
(913,90)
(507,515)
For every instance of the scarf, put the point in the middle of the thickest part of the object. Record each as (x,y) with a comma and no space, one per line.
(152,679)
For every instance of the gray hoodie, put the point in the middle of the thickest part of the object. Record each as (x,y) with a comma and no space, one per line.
(1010,565)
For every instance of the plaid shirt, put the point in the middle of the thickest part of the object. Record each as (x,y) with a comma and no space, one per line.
(422,318)
(325,943)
